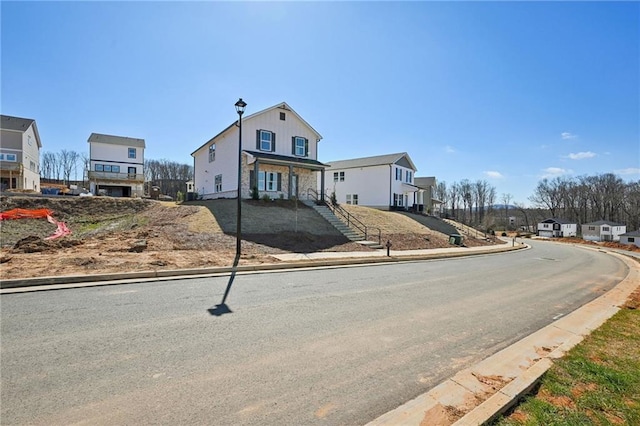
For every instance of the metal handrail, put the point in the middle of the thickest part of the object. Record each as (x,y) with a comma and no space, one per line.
(351,220)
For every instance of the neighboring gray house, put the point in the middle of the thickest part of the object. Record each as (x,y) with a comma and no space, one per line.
(631,238)
(603,230)
(555,227)
(431,204)
(19,154)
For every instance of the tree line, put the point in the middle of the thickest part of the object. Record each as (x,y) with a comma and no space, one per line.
(466,201)
(587,199)
(66,166)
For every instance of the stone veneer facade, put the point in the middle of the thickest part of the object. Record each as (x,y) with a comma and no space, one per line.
(306,180)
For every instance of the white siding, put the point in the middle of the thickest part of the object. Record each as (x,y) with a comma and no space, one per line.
(30,153)
(371,184)
(225,164)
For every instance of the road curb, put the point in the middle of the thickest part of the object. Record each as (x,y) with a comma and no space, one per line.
(48,283)
(489,388)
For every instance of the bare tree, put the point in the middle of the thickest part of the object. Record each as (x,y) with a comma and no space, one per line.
(506,199)
(68,162)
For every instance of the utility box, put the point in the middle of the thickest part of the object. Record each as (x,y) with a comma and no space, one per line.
(455,239)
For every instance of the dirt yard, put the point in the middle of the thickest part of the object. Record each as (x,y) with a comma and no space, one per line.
(121,235)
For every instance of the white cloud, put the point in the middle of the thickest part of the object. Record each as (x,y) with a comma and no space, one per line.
(629,171)
(449,149)
(493,174)
(567,135)
(582,155)
(551,172)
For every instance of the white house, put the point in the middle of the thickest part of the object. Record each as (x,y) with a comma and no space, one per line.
(555,227)
(383,182)
(631,238)
(116,165)
(279,157)
(603,230)
(19,154)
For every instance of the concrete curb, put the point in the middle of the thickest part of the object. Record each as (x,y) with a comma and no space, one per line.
(49,283)
(489,388)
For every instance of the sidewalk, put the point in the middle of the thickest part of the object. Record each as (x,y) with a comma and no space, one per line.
(289,261)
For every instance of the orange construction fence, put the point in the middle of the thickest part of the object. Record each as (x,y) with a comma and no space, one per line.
(37,214)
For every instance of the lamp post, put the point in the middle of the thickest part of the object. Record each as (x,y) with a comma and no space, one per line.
(240,106)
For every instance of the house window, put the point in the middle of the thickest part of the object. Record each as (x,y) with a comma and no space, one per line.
(282,116)
(631,239)
(32,166)
(10,157)
(300,146)
(115,169)
(338,176)
(218,183)
(348,198)
(409,175)
(605,229)
(398,173)
(352,198)
(269,181)
(107,168)
(212,152)
(132,153)
(592,228)
(99,168)
(266,140)
(397,200)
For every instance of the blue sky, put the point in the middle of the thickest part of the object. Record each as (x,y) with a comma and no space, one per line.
(507,92)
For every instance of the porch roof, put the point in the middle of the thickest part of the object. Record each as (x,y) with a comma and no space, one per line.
(283,160)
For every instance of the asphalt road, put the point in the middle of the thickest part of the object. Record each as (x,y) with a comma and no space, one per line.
(324,346)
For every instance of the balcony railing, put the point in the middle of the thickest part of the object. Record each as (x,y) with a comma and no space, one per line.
(130,177)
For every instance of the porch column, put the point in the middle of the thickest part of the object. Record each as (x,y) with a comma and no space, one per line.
(255,177)
(290,180)
(322,185)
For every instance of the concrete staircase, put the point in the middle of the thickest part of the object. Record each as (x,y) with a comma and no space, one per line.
(345,230)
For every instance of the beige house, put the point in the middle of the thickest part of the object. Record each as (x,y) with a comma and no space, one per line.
(19,154)
(603,230)
(279,154)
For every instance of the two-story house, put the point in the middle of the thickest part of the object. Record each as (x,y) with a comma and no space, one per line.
(116,165)
(383,182)
(19,154)
(427,201)
(279,157)
(555,227)
(603,230)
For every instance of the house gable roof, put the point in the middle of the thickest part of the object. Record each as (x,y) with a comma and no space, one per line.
(603,222)
(631,234)
(425,182)
(558,220)
(19,124)
(401,159)
(116,140)
(282,105)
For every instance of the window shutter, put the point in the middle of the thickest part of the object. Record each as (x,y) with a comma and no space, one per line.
(273,142)
(279,181)
(293,145)
(306,147)
(252,179)
(258,140)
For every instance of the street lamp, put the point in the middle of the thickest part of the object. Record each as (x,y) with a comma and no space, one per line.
(240,106)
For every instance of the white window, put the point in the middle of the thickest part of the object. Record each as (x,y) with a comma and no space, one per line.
(398,173)
(300,146)
(352,198)
(409,175)
(10,157)
(268,181)
(99,168)
(397,200)
(212,152)
(266,140)
(348,198)
(107,168)
(218,183)
(115,169)
(338,176)
(132,153)
(605,229)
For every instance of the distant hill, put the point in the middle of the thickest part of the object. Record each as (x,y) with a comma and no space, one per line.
(503,206)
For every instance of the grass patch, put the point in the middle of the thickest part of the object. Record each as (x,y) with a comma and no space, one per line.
(596,383)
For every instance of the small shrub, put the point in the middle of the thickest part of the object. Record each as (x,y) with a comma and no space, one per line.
(255,195)
(266,197)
